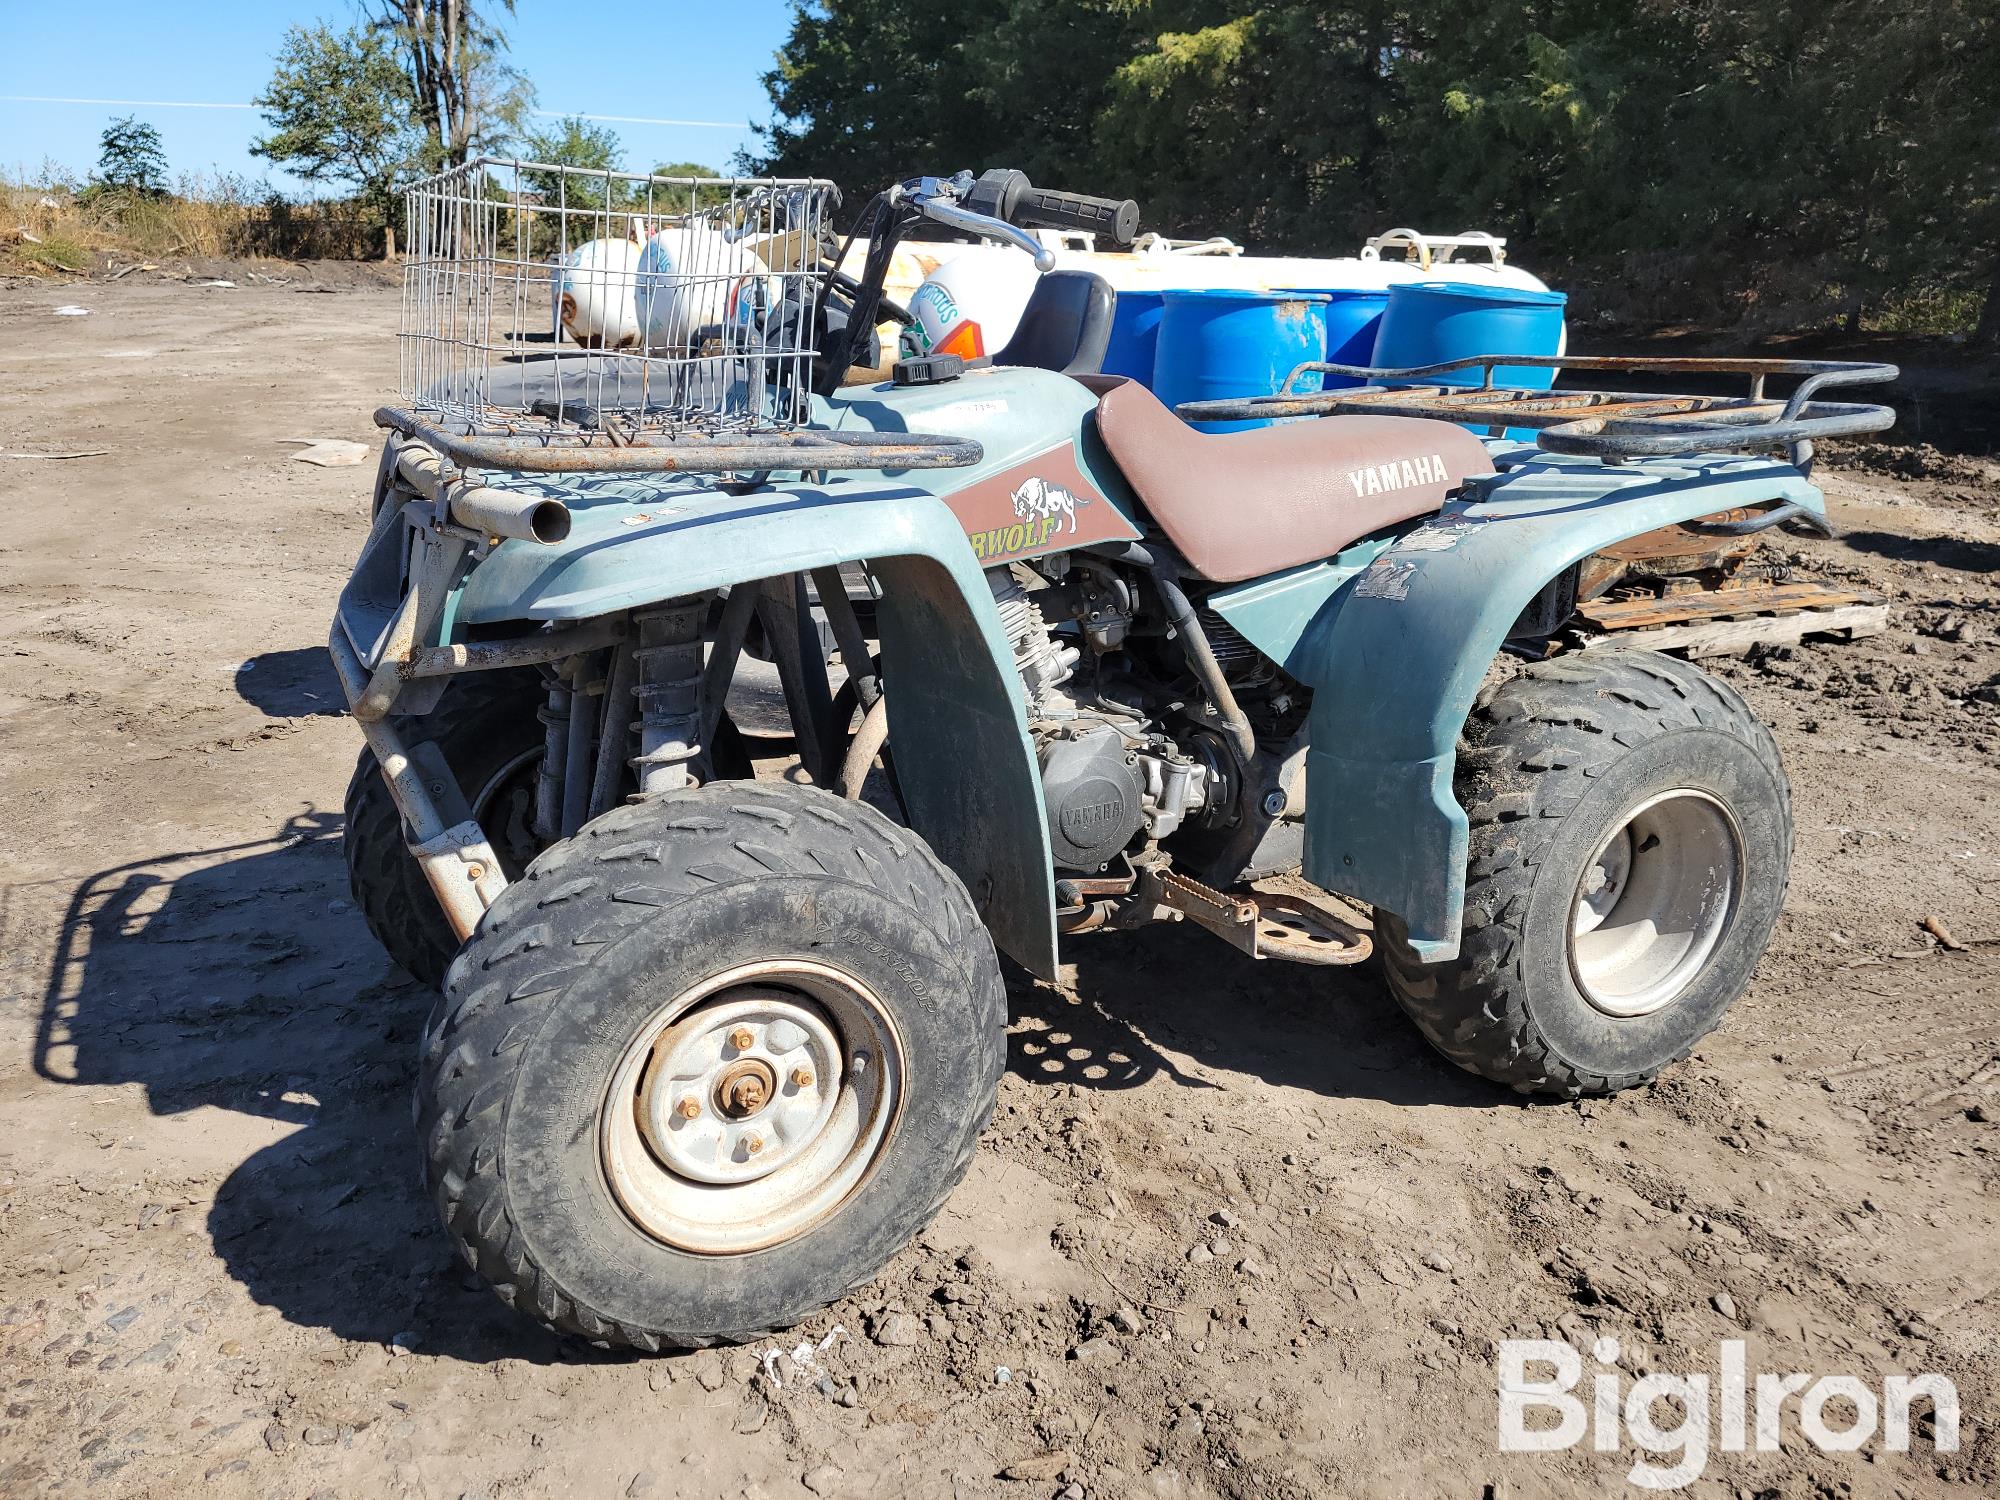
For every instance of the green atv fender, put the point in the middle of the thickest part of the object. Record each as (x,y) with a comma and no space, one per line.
(965,765)
(1394,640)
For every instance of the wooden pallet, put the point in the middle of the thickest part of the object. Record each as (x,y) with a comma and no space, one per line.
(1728,621)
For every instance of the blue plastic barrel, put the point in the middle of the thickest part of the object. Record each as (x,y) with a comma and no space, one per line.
(1135,335)
(1428,322)
(1353,315)
(1220,342)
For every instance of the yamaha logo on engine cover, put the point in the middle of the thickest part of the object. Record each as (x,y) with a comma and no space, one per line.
(1093,794)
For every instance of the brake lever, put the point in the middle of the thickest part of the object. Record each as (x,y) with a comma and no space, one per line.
(933,198)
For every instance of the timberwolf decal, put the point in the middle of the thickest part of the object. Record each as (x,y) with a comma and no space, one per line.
(1038,500)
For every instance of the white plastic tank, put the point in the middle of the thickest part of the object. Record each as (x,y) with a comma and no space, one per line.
(972,303)
(594,293)
(688,277)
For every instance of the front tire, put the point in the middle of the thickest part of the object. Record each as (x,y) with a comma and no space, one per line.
(709,1065)
(1630,842)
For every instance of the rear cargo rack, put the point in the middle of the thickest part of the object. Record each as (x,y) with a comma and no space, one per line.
(1609,425)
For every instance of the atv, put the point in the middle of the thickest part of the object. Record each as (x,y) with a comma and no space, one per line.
(712,1045)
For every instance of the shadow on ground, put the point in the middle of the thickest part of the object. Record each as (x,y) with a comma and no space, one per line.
(1956,553)
(290,684)
(242,979)
(1139,995)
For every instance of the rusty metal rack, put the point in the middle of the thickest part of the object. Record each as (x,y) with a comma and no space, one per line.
(532,447)
(560,319)
(1603,424)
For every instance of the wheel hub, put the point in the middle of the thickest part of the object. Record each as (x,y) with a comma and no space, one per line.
(1604,881)
(749,1107)
(710,1104)
(746,1087)
(1655,903)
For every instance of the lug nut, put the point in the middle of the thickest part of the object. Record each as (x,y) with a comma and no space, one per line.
(690,1108)
(802,1078)
(742,1039)
(753,1144)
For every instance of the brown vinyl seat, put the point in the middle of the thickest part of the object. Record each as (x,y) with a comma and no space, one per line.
(1242,504)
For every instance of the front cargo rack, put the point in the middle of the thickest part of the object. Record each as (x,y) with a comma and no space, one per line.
(561,319)
(1608,425)
(530,447)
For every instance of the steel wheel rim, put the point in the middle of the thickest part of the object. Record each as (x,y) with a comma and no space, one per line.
(1654,902)
(735,1172)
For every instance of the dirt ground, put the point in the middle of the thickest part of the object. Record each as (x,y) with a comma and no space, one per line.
(1235,1230)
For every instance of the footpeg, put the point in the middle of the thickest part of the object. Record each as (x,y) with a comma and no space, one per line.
(1268,925)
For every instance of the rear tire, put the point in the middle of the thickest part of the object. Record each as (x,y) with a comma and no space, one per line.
(1630,842)
(675,952)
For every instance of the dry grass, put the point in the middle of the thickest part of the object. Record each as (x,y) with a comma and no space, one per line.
(59,227)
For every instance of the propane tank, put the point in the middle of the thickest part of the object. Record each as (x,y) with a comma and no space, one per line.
(594,288)
(690,277)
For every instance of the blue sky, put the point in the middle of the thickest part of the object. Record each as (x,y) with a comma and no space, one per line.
(703,62)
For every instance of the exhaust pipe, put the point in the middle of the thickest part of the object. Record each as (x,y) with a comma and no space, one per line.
(524,518)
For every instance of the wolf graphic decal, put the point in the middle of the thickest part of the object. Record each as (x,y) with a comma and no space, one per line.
(1038,500)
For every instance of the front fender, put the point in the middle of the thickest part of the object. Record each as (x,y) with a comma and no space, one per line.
(1396,656)
(964,761)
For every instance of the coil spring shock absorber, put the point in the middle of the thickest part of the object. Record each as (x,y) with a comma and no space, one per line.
(669,693)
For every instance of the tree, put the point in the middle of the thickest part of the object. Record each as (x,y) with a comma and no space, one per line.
(871,91)
(574,142)
(577,143)
(1680,159)
(685,169)
(338,113)
(131,160)
(468,99)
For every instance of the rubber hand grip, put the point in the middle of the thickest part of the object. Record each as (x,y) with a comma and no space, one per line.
(1115,218)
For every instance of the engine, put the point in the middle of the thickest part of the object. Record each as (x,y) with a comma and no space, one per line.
(1108,772)
(1094,791)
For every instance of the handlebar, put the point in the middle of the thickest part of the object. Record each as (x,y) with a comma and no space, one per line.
(1003,205)
(1007,194)
(996,207)
(936,199)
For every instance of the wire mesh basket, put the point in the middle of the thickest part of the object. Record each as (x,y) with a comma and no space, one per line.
(595,307)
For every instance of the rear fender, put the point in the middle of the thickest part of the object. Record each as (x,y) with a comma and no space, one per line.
(1396,652)
(963,757)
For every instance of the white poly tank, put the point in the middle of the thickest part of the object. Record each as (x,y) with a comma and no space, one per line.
(1157,271)
(594,293)
(690,277)
(971,304)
